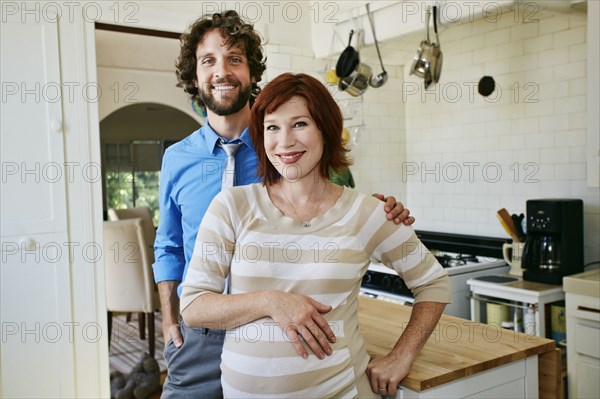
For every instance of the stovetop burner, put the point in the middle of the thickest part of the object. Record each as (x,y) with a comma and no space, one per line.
(447,260)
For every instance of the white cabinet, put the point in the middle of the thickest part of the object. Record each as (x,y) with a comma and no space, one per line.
(583,345)
(37,357)
(518,379)
(33,171)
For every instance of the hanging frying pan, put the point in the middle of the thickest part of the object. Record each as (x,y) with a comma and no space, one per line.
(348,60)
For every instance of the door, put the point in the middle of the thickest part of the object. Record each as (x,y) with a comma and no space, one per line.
(35,295)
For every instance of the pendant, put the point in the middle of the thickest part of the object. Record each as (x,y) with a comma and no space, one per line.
(305,224)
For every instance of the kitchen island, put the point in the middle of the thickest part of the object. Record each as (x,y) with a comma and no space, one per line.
(463,358)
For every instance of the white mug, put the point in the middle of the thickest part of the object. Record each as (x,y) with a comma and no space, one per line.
(512,255)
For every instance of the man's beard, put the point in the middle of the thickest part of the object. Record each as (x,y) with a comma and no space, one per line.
(225,106)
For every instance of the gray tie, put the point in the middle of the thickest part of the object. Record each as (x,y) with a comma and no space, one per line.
(229,172)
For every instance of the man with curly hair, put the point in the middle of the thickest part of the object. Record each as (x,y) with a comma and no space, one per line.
(220,65)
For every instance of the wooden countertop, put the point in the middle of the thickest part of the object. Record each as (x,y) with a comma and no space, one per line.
(456,349)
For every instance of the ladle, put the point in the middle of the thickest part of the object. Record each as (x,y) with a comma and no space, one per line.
(380,79)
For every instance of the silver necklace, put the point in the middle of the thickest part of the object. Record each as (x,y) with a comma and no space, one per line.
(305,223)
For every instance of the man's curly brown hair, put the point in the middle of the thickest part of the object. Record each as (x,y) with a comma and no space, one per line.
(238,33)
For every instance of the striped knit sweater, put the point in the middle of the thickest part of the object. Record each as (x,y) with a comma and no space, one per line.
(245,235)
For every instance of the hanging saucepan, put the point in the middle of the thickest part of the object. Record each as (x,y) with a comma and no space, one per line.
(358,81)
(427,62)
(348,60)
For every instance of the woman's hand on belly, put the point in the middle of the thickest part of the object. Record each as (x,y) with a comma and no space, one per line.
(301,319)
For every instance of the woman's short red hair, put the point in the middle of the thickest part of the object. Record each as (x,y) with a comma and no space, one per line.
(322,108)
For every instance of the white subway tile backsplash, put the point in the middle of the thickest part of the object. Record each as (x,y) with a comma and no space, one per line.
(570,104)
(280,61)
(570,37)
(510,50)
(539,43)
(539,140)
(454,214)
(525,125)
(554,155)
(534,106)
(488,53)
(571,70)
(458,32)
(578,52)
(535,172)
(579,189)
(572,138)
(523,31)
(303,63)
(552,189)
(291,50)
(554,56)
(554,122)
(496,67)
(528,189)
(578,86)
(553,25)
(576,154)
(555,89)
(569,171)
(496,37)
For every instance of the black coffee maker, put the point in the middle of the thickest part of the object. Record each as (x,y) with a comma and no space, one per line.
(554,243)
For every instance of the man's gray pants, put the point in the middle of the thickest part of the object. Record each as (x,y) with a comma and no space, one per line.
(194,370)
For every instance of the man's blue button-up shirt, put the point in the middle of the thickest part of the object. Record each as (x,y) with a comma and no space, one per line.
(190,178)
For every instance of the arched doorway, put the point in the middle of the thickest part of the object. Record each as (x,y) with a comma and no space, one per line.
(133,140)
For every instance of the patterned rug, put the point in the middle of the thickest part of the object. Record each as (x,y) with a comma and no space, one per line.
(126,347)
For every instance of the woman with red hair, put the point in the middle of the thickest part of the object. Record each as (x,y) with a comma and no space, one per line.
(294,249)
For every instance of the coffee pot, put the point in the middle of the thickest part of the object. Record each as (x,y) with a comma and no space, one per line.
(554,243)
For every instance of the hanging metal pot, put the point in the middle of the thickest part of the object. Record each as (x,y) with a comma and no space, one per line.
(427,62)
(357,82)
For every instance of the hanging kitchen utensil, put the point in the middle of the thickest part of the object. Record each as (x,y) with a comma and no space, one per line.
(348,61)
(427,62)
(376,80)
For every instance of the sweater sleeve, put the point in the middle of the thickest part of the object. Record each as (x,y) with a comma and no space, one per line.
(399,248)
(213,251)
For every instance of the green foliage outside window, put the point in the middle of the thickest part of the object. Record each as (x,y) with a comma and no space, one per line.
(128,189)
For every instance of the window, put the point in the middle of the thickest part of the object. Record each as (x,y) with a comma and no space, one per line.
(131,175)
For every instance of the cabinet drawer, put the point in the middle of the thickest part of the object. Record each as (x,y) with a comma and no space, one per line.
(587,339)
(588,384)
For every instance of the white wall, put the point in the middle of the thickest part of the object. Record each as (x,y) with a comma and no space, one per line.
(468,156)
(123,87)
